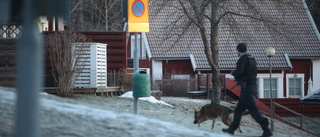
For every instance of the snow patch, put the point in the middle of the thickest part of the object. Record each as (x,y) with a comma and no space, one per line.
(151,99)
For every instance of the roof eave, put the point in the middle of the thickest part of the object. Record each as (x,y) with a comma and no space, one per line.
(229,69)
(168,58)
(275,68)
(312,57)
(311,102)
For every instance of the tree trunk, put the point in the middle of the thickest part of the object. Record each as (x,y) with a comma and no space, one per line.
(216,82)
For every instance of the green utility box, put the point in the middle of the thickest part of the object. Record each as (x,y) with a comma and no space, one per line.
(141,84)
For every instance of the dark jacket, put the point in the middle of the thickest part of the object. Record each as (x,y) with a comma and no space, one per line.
(246,70)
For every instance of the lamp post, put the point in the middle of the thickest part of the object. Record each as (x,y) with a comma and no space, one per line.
(270,52)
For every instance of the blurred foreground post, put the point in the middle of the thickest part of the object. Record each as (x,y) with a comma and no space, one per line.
(30,62)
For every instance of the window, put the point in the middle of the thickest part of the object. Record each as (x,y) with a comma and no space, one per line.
(180,76)
(263,85)
(266,89)
(295,85)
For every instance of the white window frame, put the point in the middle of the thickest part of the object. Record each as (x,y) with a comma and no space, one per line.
(260,77)
(296,75)
(181,76)
(278,76)
(268,88)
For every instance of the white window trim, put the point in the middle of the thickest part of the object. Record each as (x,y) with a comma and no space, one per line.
(298,75)
(157,70)
(260,77)
(181,76)
(279,78)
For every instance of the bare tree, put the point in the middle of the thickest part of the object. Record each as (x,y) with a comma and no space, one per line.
(98,15)
(66,58)
(206,15)
(314,7)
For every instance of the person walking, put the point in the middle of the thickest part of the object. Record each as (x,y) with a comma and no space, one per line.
(245,75)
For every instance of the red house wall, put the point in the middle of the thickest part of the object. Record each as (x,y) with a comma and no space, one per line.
(177,67)
(116,48)
(299,66)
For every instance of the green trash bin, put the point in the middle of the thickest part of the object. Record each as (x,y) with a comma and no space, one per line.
(141,84)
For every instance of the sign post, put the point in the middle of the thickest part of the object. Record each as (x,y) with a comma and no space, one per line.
(138,21)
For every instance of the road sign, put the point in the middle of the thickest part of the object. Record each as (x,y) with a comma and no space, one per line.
(138,16)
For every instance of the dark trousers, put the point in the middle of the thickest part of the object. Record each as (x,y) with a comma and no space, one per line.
(246,101)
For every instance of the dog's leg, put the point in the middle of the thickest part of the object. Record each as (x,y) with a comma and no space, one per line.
(240,129)
(227,121)
(213,121)
(200,121)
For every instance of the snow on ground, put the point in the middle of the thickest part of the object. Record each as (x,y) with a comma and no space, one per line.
(94,116)
(66,119)
(149,99)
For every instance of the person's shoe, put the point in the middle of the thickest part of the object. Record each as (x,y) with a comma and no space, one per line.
(266,132)
(265,126)
(228,130)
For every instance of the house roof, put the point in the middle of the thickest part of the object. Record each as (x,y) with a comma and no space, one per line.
(301,40)
(312,98)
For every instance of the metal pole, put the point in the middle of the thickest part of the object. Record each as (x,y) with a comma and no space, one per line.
(135,68)
(136,53)
(135,105)
(224,87)
(29,75)
(271,102)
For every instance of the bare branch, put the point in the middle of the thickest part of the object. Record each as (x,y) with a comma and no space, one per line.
(66,59)
(188,15)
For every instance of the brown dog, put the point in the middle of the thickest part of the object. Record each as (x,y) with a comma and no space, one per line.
(213,111)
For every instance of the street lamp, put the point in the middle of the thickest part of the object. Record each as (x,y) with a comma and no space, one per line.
(270,52)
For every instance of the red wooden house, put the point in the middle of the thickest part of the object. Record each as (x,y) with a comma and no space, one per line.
(296,62)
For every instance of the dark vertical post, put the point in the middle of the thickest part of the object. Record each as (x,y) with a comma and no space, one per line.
(199,81)
(29,78)
(207,85)
(271,102)
(135,68)
(224,87)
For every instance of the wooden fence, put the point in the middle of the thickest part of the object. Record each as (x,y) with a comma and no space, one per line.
(295,105)
(7,62)
(297,120)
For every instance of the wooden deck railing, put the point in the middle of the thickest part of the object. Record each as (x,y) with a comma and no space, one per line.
(302,118)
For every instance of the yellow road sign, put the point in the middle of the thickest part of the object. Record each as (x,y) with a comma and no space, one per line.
(138,16)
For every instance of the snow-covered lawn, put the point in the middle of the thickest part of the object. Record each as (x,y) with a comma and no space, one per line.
(94,116)
(65,119)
